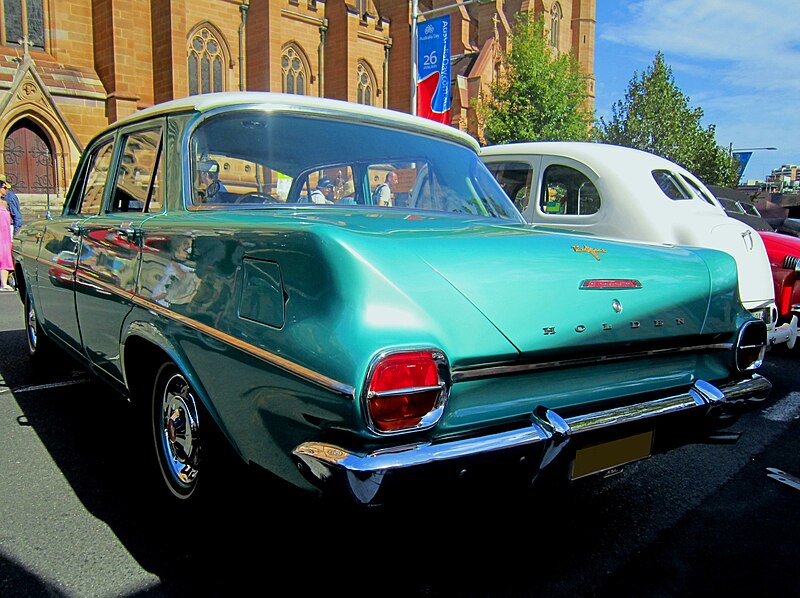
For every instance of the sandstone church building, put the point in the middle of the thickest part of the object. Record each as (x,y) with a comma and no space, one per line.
(68,68)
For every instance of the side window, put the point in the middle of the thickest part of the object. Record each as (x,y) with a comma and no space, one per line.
(221,179)
(670,185)
(330,185)
(568,191)
(137,187)
(694,186)
(405,185)
(515,179)
(384,185)
(730,205)
(750,209)
(96,175)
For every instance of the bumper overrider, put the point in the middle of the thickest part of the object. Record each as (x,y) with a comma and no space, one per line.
(612,437)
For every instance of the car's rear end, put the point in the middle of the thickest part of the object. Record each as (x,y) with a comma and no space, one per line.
(619,351)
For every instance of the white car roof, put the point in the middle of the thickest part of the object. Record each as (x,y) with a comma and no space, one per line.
(600,156)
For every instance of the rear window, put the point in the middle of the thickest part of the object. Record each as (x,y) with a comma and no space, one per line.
(670,185)
(248,158)
(698,190)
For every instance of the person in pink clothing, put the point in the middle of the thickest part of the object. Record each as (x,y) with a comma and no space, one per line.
(6,263)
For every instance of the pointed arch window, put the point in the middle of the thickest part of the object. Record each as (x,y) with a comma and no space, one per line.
(206,62)
(365,84)
(294,71)
(24,21)
(555,24)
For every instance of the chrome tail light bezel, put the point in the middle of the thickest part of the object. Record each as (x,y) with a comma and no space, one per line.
(751,346)
(442,390)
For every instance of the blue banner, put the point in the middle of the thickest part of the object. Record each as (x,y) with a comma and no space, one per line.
(743,158)
(433,69)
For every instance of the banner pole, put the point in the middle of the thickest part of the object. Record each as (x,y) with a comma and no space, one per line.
(414,57)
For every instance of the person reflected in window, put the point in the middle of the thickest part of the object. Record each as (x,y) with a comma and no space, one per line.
(324,191)
(384,193)
(209,176)
(348,195)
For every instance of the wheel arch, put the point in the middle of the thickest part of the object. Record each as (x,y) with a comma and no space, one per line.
(21,280)
(144,350)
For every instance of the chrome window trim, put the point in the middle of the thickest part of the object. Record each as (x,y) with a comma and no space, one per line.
(465,375)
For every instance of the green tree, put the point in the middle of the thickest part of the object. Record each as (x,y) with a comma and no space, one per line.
(540,94)
(656,117)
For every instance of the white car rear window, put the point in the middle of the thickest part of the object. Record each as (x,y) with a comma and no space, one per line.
(670,185)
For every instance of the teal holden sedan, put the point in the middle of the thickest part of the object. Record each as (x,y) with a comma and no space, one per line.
(348,298)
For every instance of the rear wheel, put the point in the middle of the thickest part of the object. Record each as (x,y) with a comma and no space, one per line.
(176,422)
(38,343)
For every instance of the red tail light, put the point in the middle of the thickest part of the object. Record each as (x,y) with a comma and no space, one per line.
(406,391)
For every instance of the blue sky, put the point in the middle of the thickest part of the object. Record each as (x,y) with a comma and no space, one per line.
(738,60)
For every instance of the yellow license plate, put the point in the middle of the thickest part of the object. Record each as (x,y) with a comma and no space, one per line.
(608,455)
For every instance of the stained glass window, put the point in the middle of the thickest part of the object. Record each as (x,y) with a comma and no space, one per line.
(555,24)
(205,63)
(24,20)
(294,74)
(365,85)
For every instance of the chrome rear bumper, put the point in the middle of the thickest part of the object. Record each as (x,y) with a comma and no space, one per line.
(364,473)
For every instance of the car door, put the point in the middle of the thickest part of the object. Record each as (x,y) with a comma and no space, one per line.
(110,257)
(61,245)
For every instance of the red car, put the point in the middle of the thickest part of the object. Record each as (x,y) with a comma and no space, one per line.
(784,257)
(783,249)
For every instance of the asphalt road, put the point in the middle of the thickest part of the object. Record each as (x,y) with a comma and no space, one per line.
(80,515)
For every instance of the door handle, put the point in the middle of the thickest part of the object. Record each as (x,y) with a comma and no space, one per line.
(127,230)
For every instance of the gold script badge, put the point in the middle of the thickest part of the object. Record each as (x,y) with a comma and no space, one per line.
(586,249)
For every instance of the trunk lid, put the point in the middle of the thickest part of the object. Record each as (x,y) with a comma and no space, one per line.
(533,286)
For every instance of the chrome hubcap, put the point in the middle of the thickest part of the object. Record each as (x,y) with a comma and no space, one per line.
(180,431)
(31,325)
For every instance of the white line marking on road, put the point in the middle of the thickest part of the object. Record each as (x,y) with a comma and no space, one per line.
(785,410)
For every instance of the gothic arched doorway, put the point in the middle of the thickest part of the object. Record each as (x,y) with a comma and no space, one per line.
(28,159)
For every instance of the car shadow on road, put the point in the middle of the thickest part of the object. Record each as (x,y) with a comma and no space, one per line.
(254,529)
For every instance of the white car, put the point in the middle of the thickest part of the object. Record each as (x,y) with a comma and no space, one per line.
(624,193)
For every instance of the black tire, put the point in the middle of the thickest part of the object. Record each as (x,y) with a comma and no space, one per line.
(178,425)
(39,345)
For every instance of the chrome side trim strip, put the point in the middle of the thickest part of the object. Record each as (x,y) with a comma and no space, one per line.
(262,354)
(462,375)
(257,352)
